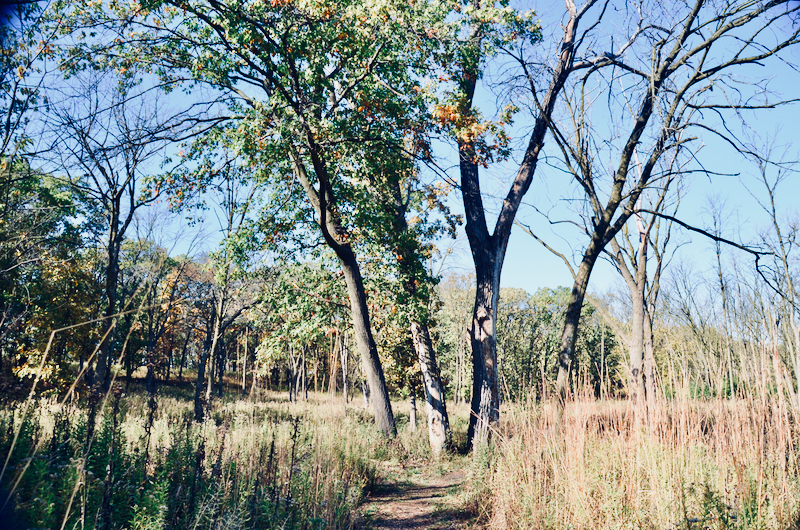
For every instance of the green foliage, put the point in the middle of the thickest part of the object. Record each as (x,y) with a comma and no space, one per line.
(529,339)
(528,342)
(254,470)
(25,49)
(478,32)
(343,99)
(46,281)
(456,295)
(305,304)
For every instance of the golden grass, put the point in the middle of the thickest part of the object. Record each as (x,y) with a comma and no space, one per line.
(689,465)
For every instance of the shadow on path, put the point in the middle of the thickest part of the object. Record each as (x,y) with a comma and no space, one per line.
(418,504)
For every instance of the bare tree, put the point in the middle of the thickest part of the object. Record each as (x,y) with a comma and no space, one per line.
(632,259)
(230,283)
(489,249)
(662,90)
(781,239)
(104,144)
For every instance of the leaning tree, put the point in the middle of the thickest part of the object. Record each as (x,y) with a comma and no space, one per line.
(314,84)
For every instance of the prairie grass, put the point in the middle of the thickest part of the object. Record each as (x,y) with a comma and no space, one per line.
(265,463)
(689,464)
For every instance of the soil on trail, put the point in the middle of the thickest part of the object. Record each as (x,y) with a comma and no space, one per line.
(410,499)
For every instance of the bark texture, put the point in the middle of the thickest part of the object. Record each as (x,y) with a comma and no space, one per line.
(365,342)
(489,249)
(323,202)
(438,421)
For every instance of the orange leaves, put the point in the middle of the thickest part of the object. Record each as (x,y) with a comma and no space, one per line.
(447,114)
(463,121)
(484,138)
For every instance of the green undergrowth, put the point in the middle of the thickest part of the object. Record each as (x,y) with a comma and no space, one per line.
(265,464)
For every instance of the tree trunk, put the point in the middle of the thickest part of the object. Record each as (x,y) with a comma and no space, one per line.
(485,404)
(305,386)
(291,376)
(438,422)
(254,383)
(365,393)
(316,370)
(183,354)
(459,364)
(333,364)
(650,362)
(411,270)
(336,238)
(636,346)
(244,363)
(102,375)
(381,406)
(199,409)
(412,415)
(212,370)
(221,360)
(217,315)
(343,352)
(572,319)
(488,250)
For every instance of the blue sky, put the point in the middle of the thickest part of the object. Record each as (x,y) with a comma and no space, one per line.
(530,266)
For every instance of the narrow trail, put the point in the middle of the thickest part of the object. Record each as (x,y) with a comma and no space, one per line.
(417,499)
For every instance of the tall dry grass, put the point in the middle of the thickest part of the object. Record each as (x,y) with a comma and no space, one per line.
(688,464)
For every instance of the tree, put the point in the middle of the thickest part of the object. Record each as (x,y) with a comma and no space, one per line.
(632,261)
(35,209)
(210,177)
(315,85)
(37,232)
(511,33)
(26,42)
(103,145)
(405,243)
(528,330)
(61,292)
(780,239)
(674,74)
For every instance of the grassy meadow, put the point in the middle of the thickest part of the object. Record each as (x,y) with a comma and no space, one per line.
(263,462)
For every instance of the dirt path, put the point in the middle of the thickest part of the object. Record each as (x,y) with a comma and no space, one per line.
(411,499)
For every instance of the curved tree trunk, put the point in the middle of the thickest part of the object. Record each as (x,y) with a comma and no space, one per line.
(411,269)
(572,319)
(365,342)
(336,237)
